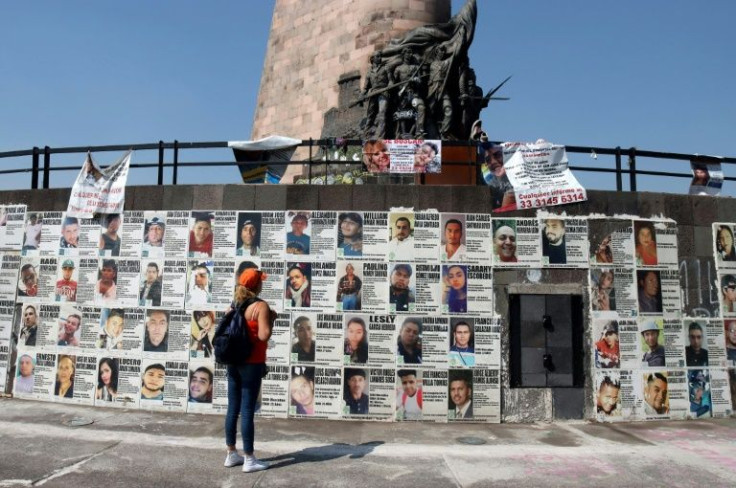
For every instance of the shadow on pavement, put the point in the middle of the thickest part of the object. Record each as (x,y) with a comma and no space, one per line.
(323,453)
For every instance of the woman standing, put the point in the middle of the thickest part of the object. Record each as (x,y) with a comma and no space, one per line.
(244,380)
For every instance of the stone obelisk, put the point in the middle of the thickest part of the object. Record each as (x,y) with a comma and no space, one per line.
(312,43)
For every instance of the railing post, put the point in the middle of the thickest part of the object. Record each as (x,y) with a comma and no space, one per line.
(46,166)
(160,163)
(176,161)
(619,179)
(632,168)
(34,168)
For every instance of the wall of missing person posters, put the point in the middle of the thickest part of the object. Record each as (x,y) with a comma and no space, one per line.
(382,315)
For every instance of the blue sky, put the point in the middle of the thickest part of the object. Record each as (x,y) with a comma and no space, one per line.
(653,74)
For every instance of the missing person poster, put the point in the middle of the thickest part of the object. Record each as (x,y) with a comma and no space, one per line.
(434,394)
(415,156)
(330,344)
(305,340)
(564,242)
(133,236)
(655,244)
(9,269)
(118,282)
(275,394)
(48,325)
(280,343)
(12,227)
(381,392)
(435,339)
(37,279)
(201,236)
(611,242)
(200,388)
(4,363)
(316,392)
(374,296)
(223,282)
(477,236)
(613,293)
(176,234)
(89,238)
(298,286)
(721,395)
(614,395)
(486,340)
(707,177)
(622,335)
(401,223)
(200,285)
(372,234)
(671,299)
(428,295)
(224,234)
(485,405)
(51,237)
(311,236)
(516,243)
(349,284)
(25,373)
(323,285)
(427,234)
(381,339)
(274,287)
(723,246)
(45,383)
(272,236)
(85,378)
(7,312)
(87,273)
(128,393)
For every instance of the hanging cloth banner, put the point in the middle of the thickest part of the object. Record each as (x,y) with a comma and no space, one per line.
(531,175)
(99,191)
(253,158)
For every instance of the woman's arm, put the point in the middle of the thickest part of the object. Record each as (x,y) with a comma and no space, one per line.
(262,314)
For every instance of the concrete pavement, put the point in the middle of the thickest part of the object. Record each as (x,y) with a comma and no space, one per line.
(136,448)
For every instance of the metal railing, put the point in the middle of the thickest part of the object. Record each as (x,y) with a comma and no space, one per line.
(317,151)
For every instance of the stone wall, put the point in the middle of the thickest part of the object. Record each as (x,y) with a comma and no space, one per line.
(313,43)
(693,214)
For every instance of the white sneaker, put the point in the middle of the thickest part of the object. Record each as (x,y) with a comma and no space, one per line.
(233,459)
(254,464)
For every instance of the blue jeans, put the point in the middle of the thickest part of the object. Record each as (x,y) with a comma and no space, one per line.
(243,385)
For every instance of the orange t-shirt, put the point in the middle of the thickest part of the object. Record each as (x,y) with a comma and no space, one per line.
(258,351)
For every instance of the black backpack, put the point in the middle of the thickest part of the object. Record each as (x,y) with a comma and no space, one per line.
(232,341)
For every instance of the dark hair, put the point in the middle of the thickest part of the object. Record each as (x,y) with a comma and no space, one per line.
(154,366)
(454,221)
(405,267)
(152,265)
(607,381)
(30,306)
(79,317)
(460,375)
(296,266)
(354,216)
(301,320)
(641,224)
(350,372)
(116,312)
(202,369)
(198,314)
(69,221)
(431,145)
(412,320)
(405,219)
(360,354)
(27,266)
(471,341)
(693,326)
(406,372)
(110,263)
(110,217)
(113,364)
(656,376)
